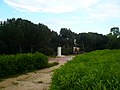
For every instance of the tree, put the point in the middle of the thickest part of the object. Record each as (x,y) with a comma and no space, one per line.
(113,38)
(91,41)
(12,35)
(115,31)
(22,36)
(67,40)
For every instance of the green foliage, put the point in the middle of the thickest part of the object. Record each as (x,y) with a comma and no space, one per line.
(98,70)
(115,31)
(114,38)
(91,41)
(21,63)
(23,36)
(67,51)
(52,64)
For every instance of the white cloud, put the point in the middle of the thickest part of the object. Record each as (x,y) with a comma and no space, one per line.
(89,11)
(106,10)
(60,22)
(52,6)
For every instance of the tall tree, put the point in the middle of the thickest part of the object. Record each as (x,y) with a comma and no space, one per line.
(22,36)
(67,40)
(115,31)
(114,38)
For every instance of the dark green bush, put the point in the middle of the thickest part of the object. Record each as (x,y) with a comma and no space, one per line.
(21,63)
(98,70)
(67,51)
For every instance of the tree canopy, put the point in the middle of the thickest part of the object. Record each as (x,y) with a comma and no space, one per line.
(23,36)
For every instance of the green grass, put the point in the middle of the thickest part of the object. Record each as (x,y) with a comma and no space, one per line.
(98,70)
(52,64)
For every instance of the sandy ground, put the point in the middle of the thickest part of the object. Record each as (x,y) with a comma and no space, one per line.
(37,80)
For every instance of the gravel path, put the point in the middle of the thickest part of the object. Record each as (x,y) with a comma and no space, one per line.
(37,80)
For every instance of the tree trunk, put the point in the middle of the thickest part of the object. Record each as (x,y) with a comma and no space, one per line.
(20,48)
(31,48)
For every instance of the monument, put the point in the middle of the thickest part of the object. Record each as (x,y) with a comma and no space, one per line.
(59,51)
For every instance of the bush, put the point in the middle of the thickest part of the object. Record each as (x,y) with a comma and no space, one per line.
(67,51)
(98,70)
(21,63)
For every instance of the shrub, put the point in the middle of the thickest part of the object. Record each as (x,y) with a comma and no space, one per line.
(21,63)
(98,70)
(67,51)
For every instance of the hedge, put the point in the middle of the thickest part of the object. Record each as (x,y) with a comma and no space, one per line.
(21,63)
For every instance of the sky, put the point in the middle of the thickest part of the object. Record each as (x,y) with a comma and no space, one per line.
(78,15)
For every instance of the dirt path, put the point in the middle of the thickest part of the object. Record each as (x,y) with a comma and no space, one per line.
(37,80)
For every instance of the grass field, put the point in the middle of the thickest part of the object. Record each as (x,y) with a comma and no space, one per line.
(98,70)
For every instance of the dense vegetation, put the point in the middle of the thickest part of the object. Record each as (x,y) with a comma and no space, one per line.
(21,63)
(98,70)
(23,36)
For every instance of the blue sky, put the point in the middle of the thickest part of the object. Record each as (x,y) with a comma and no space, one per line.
(78,15)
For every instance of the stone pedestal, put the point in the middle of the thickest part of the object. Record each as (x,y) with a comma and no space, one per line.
(59,51)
